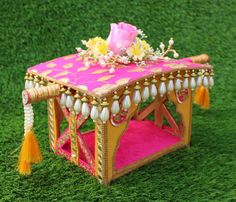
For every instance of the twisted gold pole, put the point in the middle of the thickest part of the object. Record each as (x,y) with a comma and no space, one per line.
(39,94)
(203,58)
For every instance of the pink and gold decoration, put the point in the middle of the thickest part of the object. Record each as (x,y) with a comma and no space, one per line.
(107,82)
(125,44)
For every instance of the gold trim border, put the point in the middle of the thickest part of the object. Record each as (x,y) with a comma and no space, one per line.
(117,88)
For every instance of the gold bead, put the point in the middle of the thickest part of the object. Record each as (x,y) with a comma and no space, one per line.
(94,102)
(77,96)
(137,86)
(104,103)
(193,73)
(154,79)
(199,72)
(186,74)
(115,96)
(62,90)
(26,76)
(206,73)
(31,78)
(126,92)
(68,92)
(171,77)
(146,83)
(212,73)
(84,99)
(163,77)
(36,79)
(178,74)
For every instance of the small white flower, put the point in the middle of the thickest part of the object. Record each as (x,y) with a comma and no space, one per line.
(176,55)
(158,52)
(87,63)
(150,50)
(83,52)
(162,46)
(84,42)
(110,54)
(140,32)
(78,49)
(111,70)
(106,57)
(142,63)
(102,62)
(171,42)
(153,57)
(124,59)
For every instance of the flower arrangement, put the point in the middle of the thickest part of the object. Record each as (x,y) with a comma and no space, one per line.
(125,44)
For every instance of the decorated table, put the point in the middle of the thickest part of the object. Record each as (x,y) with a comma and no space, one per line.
(107,84)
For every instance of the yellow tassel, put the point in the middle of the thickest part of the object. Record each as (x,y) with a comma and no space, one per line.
(202,97)
(30,153)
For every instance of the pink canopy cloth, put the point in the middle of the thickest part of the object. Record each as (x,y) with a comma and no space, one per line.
(96,80)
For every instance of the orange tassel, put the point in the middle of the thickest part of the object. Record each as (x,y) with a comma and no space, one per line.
(202,97)
(206,100)
(24,168)
(30,153)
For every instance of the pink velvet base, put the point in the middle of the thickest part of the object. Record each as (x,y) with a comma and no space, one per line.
(89,139)
(141,139)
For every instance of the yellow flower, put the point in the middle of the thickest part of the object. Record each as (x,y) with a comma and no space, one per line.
(100,48)
(145,45)
(92,42)
(136,51)
(97,46)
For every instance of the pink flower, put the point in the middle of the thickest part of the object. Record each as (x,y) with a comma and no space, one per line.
(121,37)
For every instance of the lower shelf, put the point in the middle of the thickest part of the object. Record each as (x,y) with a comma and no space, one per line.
(141,140)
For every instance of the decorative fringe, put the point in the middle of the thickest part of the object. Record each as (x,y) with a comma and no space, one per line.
(186,80)
(126,103)
(94,114)
(30,153)
(63,97)
(85,107)
(202,97)
(192,83)
(145,93)
(137,94)
(77,106)
(31,82)
(69,99)
(162,86)
(170,85)
(115,108)
(105,111)
(36,81)
(153,88)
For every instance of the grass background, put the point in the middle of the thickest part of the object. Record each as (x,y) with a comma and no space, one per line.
(36,31)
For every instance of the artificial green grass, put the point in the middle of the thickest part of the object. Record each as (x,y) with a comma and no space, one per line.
(35,31)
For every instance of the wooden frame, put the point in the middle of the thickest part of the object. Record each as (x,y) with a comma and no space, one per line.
(107,136)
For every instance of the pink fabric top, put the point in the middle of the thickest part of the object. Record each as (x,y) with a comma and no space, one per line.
(97,81)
